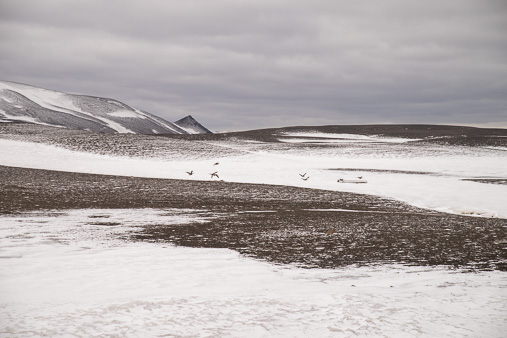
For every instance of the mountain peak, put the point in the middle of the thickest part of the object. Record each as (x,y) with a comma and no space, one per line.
(191,126)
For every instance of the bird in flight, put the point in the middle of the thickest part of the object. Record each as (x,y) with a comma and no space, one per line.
(360,177)
(302,175)
(305,178)
(214,174)
(190,172)
(216,163)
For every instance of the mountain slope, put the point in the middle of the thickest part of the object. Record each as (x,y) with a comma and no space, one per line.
(20,102)
(190,125)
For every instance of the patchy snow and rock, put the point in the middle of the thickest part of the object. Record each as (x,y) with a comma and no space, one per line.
(72,273)
(20,102)
(431,177)
(79,272)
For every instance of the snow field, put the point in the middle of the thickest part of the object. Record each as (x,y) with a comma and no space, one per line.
(63,275)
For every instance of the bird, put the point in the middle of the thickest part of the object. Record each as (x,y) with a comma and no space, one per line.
(190,172)
(216,163)
(340,180)
(305,178)
(214,174)
(302,175)
(360,177)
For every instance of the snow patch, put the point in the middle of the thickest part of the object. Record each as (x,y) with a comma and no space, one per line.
(126,113)
(116,126)
(189,130)
(497,148)
(300,137)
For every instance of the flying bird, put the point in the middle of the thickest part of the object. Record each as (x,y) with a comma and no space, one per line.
(216,163)
(302,175)
(305,178)
(214,174)
(360,177)
(190,172)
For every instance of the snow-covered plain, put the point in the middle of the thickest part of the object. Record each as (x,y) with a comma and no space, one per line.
(62,275)
(65,273)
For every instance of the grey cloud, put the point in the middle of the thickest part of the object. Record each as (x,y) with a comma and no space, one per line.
(249,64)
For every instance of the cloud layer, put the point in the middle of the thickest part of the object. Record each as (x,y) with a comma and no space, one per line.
(252,64)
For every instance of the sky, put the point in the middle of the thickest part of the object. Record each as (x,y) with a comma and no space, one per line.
(248,64)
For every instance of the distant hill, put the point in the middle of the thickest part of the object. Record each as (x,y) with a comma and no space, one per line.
(21,102)
(190,125)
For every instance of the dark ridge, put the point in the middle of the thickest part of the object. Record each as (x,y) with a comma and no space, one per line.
(191,123)
(437,134)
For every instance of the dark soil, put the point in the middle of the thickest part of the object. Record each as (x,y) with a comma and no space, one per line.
(502,181)
(273,222)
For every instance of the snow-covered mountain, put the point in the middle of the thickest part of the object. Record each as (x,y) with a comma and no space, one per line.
(20,102)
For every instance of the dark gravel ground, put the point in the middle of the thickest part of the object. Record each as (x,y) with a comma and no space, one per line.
(273,222)
(489,180)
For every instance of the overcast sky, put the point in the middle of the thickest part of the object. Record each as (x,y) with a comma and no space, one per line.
(246,64)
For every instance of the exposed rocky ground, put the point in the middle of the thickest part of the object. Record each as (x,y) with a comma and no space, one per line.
(137,145)
(110,144)
(436,134)
(275,223)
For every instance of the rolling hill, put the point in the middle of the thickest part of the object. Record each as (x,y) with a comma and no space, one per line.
(21,102)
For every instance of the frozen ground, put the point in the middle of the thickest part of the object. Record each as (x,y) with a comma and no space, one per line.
(74,273)
(84,273)
(444,178)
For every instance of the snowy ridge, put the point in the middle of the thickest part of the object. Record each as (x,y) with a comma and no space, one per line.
(20,102)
